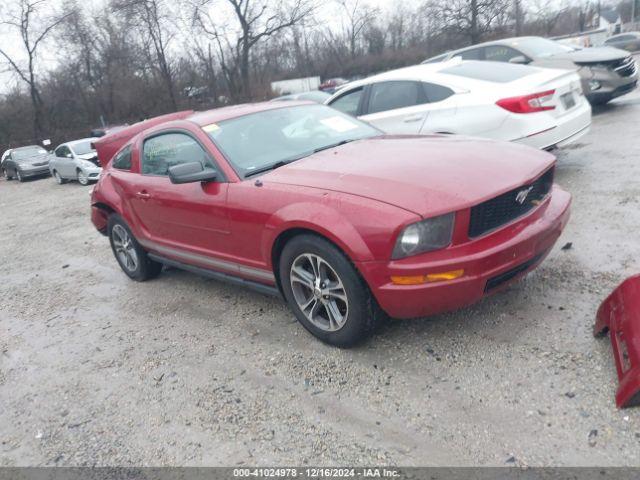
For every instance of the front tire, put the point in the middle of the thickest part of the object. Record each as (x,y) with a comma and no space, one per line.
(83,178)
(130,255)
(7,177)
(326,293)
(19,176)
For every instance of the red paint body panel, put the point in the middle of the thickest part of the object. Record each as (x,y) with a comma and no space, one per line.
(619,314)
(360,196)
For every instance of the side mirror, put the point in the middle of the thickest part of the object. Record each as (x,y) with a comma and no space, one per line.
(521,59)
(191,172)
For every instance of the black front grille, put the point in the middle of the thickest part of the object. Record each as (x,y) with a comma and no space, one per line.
(504,208)
(625,68)
(495,282)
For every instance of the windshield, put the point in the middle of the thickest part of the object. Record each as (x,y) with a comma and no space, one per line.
(82,148)
(541,47)
(256,141)
(27,152)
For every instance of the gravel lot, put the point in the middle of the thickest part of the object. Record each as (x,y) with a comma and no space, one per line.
(98,370)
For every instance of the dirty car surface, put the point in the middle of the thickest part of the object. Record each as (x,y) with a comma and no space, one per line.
(345,222)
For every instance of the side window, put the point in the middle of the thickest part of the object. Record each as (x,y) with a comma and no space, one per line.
(63,152)
(169,149)
(122,160)
(348,103)
(499,53)
(473,54)
(435,92)
(396,94)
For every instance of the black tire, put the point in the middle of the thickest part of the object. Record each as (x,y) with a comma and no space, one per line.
(19,176)
(59,180)
(362,312)
(7,177)
(143,268)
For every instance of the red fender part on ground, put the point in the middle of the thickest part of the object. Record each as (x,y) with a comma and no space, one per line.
(619,314)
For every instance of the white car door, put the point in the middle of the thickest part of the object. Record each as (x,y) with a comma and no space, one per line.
(64,162)
(396,106)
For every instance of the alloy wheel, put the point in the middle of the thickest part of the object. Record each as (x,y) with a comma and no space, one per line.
(6,174)
(124,248)
(83,178)
(319,292)
(57,176)
(18,175)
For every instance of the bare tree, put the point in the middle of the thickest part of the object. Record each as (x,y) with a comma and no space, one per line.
(358,17)
(33,30)
(472,18)
(256,21)
(545,15)
(158,35)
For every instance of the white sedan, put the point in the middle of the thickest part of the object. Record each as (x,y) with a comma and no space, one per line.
(75,160)
(540,107)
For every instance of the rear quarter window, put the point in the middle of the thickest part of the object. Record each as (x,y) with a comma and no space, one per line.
(122,160)
(498,72)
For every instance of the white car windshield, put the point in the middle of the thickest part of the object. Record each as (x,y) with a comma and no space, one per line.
(259,141)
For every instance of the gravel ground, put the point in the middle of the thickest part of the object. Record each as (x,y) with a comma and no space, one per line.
(98,370)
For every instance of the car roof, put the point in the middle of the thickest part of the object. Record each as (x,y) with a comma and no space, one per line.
(503,41)
(431,72)
(225,113)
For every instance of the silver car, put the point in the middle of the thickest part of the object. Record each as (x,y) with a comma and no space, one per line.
(605,72)
(75,160)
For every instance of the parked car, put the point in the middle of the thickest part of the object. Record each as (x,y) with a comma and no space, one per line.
(315,96)
(625,41)
(345,222)
(539,107)
(606,72)
(332,84)
(75,160)
(26,162)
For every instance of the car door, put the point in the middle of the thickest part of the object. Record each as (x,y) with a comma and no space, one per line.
(396,106)
(64,162)
(189,216)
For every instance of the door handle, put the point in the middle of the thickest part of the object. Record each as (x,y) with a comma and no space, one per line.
(143,195)
(413,118)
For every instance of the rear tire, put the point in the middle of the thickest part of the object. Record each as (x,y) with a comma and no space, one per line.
(59,180)
(326,293)
(130,255)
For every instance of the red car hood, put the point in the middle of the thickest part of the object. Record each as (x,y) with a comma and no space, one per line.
(427,175)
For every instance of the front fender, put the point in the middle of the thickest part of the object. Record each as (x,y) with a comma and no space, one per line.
(323,219)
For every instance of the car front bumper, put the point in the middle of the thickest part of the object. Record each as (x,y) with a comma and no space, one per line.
(92,173)
(489,263)
(35,172)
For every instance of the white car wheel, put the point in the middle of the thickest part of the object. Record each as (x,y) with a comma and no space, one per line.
(83,178)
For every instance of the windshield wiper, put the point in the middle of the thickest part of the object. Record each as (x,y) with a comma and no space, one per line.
(273,166)
(333,145)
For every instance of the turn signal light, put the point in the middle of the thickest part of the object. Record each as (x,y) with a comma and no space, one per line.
(430,277)
(536,102)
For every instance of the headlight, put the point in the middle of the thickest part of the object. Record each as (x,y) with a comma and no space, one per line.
(430,234)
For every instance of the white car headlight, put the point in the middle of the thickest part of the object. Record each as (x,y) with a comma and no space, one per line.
(424,236)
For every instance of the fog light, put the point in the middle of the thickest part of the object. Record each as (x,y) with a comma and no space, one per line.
(430,277)
(594,85)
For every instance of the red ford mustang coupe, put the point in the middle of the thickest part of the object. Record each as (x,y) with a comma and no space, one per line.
(346,223)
